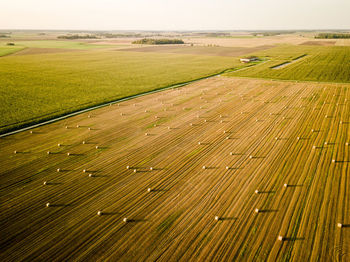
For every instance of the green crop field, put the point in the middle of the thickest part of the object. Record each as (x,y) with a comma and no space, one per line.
(321,63)
(38,87)
(6,50)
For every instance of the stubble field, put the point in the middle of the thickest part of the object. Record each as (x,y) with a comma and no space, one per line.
(253,134)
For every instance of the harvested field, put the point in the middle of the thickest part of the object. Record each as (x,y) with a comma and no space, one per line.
(35,51)
(199,50)
(270,129)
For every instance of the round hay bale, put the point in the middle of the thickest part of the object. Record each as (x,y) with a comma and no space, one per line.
(256,210)
(285,185)
(340,225)
(58,145)
(149,189)
(48,152)
(256,191)
(127,167)
(99,213)
(125,219)
(47,204)
(151,168)
(217,218)
(280,238)
(91,175)
(58,170)
(204,167)
(45,183)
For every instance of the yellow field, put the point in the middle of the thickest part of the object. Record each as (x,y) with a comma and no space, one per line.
(253,134)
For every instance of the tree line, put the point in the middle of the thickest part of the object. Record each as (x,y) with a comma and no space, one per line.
(332,36)
(151,41)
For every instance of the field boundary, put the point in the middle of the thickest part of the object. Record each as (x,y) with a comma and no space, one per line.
(34,124)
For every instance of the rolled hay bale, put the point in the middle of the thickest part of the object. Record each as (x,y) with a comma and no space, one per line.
(149,189)
(204,167)
(127,167)
(256,210)
(97,147)
(89,128)
(285,185)
(146,134)
(78,126)
(48,152)
(333,160)
(280,238)
(47,204)
(84,142)
(191,124)
(227,167)
(251,157)
(151,168)
(217,218)
(91,175)
(227,138)
(89,116)
(205,120)
(340,225)
(31,132)
(84,170)
(68,154)
(66,127)
(313,147)
(59,145)
(15,152)
(347,143)
(231,153)
(58,169)
(125,220)
(135,170)
(45,183)
(199,143)
(99,213)
(256,191)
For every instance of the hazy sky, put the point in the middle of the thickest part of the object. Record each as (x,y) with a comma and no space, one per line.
(174,14)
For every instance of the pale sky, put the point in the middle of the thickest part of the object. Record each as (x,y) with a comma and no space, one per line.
(174,14)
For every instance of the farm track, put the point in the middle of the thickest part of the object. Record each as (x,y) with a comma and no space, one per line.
(175,221)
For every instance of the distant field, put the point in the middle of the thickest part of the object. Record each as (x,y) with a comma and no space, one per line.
(59,44)
(200,50)
(267,134)
(321,63)
(37,87)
